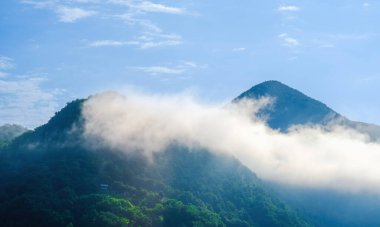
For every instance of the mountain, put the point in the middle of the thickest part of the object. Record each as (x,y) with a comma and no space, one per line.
(291,107)
(10,131)
(327,208)
(53,176)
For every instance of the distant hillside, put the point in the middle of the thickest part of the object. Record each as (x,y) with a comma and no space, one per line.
(8,132)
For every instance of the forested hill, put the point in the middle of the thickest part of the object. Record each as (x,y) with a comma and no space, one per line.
(52,177)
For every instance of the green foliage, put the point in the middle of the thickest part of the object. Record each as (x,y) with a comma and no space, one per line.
(178,214)
(105,210)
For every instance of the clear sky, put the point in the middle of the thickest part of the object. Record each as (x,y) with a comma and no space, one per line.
(53,51)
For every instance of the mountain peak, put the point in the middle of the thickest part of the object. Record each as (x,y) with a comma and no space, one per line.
(290,107)
(271,88)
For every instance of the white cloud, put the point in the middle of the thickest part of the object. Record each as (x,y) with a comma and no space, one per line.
(288,8)
(101,43)
(151,40)
(291,42)
(181,68)
(288,41)
(146,24)
(158,8)
(366,4)
(139,43)
(190,64)
(72,14)
(110,43)
(148,45)
(87,1)
(339,159)
(65,13)
(161,70)
(6,63)
(152,36)
(239,49)
(149,34)
(150,7)
(23,101)
(38,4)
(147,41)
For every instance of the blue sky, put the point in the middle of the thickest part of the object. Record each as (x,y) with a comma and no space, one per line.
(53,51)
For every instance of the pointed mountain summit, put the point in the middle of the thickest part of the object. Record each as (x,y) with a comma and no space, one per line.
(289,107)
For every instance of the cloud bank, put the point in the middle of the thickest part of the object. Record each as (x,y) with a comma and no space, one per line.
(288,8)
(340,159)
(70,15)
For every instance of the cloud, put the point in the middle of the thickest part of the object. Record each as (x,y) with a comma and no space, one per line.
(339,159)
(110,43)
(6,63)
(288,8)
(158,8)
(366,4)
(161,70)
(87,1)
(22,98)
(38,4)
(324,44)
(65,13)
(288,41)
(152,36)
(23,101)
(152,44)
(182,68)
(70,15)
(147,33)
(150,7)
(132,20)
(239,49)
(146,41)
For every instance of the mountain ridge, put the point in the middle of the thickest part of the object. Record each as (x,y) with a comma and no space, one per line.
(53,178)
